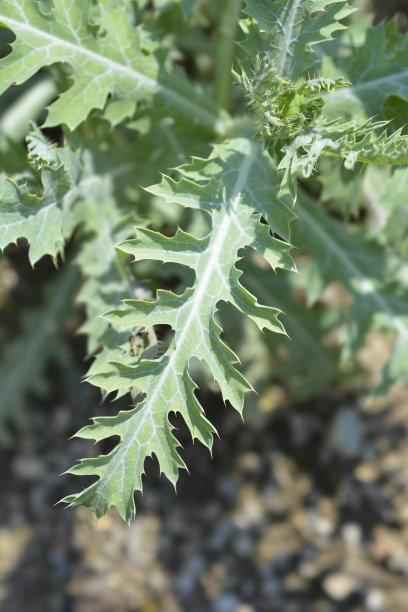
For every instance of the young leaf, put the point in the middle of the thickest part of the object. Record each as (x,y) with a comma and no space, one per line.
(368,143)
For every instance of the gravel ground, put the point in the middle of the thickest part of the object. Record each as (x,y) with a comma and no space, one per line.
(307,511)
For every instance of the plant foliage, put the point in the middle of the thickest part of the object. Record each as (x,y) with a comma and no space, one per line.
(222,223)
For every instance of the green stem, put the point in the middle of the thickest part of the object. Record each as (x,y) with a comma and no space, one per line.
(15,120)
(120,267)
(225,50)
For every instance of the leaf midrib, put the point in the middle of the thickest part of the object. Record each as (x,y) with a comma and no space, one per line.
(160,382)
(216,248)
(287,37)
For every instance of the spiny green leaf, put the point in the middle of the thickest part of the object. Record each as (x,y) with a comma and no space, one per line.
(368,143)
(69,179)
(290,28)
(109,57)
(39,219)
(243,186)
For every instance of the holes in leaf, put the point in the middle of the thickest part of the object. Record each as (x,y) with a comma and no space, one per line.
(108,444)
(156,275)
(6,40)
(164,334)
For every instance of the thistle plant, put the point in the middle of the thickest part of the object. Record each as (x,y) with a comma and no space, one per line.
(310,108)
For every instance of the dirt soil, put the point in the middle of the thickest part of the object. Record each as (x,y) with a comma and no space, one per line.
(307,511)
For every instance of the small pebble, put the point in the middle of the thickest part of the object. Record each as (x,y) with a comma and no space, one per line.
(339,586)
